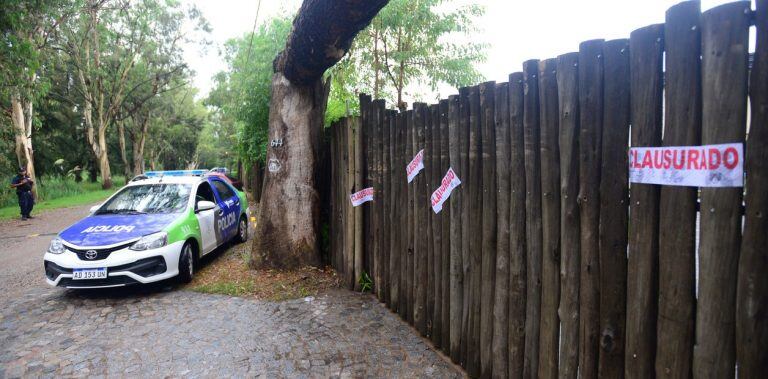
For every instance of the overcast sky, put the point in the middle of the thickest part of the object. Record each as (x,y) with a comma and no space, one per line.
(514,30)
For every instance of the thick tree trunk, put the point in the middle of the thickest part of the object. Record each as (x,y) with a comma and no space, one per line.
(286,231)
(289,213)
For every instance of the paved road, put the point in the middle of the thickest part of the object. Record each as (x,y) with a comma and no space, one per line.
(162,331)
(22,245)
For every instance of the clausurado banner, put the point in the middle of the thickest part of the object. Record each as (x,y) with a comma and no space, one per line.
(441,194)
(416,165)
(697,166)
(361,196)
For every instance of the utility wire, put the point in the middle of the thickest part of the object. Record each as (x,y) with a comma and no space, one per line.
(253,31)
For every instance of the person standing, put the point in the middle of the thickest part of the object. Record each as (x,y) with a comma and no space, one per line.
(23,185)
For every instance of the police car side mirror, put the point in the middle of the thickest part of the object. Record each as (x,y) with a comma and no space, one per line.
(95,208)
(204,205)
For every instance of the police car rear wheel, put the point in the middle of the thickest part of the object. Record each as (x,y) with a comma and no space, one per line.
(242,230)
(186,264)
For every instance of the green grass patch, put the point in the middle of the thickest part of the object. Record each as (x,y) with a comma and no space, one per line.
(226,288)
(63,196)
(228,273)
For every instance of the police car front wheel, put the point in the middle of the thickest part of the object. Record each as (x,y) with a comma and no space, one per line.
(242,230)
(186,263)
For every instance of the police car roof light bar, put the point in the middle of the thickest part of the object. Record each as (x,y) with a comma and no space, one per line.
(154,174)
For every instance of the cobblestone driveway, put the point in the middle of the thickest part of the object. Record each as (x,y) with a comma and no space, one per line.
(164,332)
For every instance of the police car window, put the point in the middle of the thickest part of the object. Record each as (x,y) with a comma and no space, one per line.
(204,192)
(224,191)
(148,198)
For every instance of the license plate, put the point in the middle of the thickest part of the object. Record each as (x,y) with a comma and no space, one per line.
(89,273)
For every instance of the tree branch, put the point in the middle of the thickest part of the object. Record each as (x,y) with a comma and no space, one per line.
(322,33)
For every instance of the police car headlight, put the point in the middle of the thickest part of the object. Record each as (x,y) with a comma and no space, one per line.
(56,247)
(152,241)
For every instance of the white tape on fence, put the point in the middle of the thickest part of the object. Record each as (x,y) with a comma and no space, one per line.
(416,165)
(697,166)
(361,196)
(441,194)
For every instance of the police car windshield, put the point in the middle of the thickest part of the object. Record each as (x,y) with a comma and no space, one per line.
(148,198)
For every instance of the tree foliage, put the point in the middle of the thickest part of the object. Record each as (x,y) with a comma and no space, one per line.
(410,46)
(242,93)
(95,76)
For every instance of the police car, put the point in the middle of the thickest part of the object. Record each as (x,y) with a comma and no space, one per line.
(156,227)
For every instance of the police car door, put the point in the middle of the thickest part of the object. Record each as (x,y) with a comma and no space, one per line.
(207,219)
(226,224)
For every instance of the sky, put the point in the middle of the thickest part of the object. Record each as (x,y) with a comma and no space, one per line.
(515,31)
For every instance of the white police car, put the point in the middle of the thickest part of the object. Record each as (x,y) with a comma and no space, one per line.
(155,228)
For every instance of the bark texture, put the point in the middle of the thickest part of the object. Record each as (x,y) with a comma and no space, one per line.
(323,30)
(290,207)
(21,119)
(322,33)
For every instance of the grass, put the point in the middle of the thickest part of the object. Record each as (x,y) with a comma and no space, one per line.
(62,202)
(58,192)
(227,273)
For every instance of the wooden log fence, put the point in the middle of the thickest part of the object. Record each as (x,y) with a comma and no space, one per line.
(546,261)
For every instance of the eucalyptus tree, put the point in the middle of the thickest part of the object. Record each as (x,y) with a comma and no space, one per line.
(321,35)
(26,30)
(175,124)
(123,52)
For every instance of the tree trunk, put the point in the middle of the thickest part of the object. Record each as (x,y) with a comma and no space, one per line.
(138,147)
(21,116)
(123,155)
(101,155)
(289,217)
(286,232)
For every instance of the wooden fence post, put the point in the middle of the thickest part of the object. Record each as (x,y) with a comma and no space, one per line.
(456,272)
(386,187)
(517,250)
(568,104)
(437,231)
(335,189)
(379,198)
(646,83)
(394,210)
(445,224)
(358,185)
(489,192)
(349,187)
(725,42)
(677,207)
(550,218)
(614,179)
(429,175)
(409,289)
(501,291)
(590,138)
(532,216)
(420,224)
(475,232)
(463,141)
(365,138)
(752,297)
(430,169)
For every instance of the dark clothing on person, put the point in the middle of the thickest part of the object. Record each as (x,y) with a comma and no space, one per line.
(24,192)
(26,202)
(24,187)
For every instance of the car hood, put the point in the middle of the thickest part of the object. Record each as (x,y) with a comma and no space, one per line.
(105,230)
